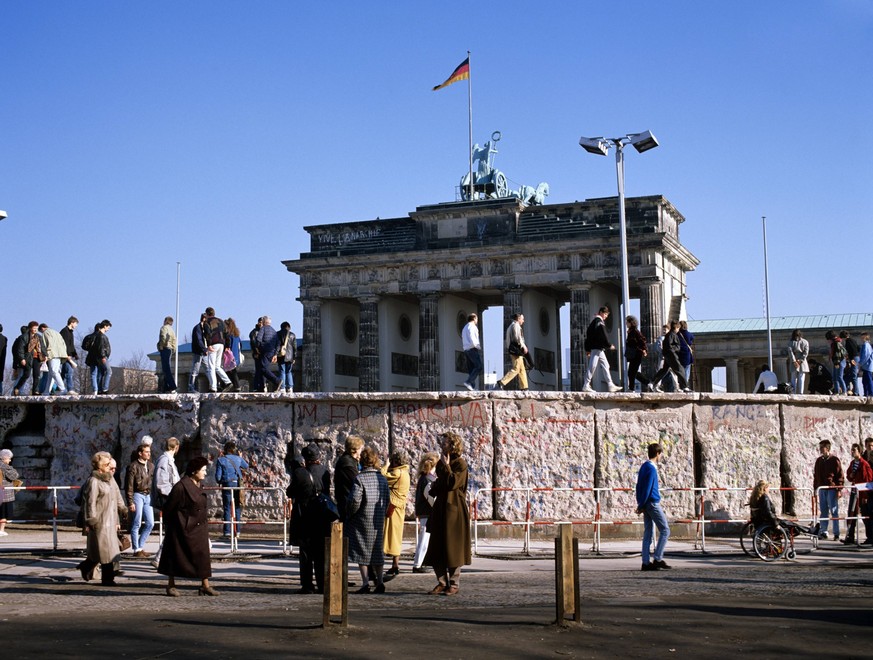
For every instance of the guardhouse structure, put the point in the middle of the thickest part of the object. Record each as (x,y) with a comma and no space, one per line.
(384,301)
(740,345)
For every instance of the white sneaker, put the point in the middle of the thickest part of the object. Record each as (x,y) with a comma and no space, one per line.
(588,388)
(468,386)
(4,533)
(615,388)
(657,388)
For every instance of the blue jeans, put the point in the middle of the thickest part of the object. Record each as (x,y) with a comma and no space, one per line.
(169,381)
(828,507)
(68,374)
(653,516)
(226,497)
(286,380)
(199,361)
(100,376)
(867,378)
(474,362)
(144,512)
(837,373)
(850,375)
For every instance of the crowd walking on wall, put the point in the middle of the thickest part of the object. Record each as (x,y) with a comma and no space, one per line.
(49,358)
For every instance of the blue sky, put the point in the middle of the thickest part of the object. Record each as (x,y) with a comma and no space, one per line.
(134,135)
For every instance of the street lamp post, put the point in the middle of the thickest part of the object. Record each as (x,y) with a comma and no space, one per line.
(600,146)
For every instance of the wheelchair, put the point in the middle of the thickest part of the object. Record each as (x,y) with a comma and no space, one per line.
(771,542)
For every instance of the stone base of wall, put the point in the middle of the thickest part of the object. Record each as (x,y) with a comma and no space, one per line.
(543,456)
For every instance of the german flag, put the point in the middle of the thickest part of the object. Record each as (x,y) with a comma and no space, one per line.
(461,73)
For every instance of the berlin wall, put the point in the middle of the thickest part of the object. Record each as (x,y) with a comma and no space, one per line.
(543,450)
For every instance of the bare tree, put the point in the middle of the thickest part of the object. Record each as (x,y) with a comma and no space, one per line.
(137,374)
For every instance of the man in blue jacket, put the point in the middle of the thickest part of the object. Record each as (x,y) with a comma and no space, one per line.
(649,504)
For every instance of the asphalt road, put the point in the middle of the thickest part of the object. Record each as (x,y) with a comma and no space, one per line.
(716,605)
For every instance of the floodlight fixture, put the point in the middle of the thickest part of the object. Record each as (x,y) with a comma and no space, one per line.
(600,146)
(643,141)
(3,215)
(597,146)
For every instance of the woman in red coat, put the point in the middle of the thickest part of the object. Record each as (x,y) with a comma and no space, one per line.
(859,471)
(186,546)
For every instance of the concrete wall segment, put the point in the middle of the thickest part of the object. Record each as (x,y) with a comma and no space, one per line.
(738,443)
(544,441)
(418,419)
(625,428)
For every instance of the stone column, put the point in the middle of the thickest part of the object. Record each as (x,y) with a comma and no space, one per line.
(559,358)
(732,375)
(652,317)
(312,368)
(368,345)
(780,368)
(511,305)
(429,343)
(580,316)
(703,373)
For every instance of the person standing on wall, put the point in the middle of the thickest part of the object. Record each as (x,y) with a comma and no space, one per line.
(798,366)
(597,342)
(166,347)
(513,342)
(68,367)
(473,350)
(286,357)
(649,504)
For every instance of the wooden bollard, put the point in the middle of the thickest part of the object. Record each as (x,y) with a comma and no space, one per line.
(336,577)
(567,598)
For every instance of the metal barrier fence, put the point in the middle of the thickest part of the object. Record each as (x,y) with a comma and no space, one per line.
(55,520)
(600,518)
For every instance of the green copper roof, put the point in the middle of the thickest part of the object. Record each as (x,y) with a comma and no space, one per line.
(757,324)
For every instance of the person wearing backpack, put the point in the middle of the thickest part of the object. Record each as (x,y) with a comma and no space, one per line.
(838,361)
(228,474)
(99,350)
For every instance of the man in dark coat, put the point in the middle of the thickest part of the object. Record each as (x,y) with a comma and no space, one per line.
(267,341)
(185,552)
(345,472)
(449,523)
(307,526)
(670,346)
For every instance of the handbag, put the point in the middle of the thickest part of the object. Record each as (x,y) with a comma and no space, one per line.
(123,541)
(17,483)
(323,507)
(228,362)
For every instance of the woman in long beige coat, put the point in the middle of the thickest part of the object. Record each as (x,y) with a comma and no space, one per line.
(397,475)
(104,506)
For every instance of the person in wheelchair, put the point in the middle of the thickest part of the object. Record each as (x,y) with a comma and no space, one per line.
(762,509)
(763,512)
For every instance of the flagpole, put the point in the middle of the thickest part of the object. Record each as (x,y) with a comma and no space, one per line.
(470,115)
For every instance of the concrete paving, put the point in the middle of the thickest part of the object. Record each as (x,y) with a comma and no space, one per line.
(714,604)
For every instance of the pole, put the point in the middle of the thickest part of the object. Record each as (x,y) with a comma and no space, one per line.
(625,288)
(767,297)
(178,282)
(470,121)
